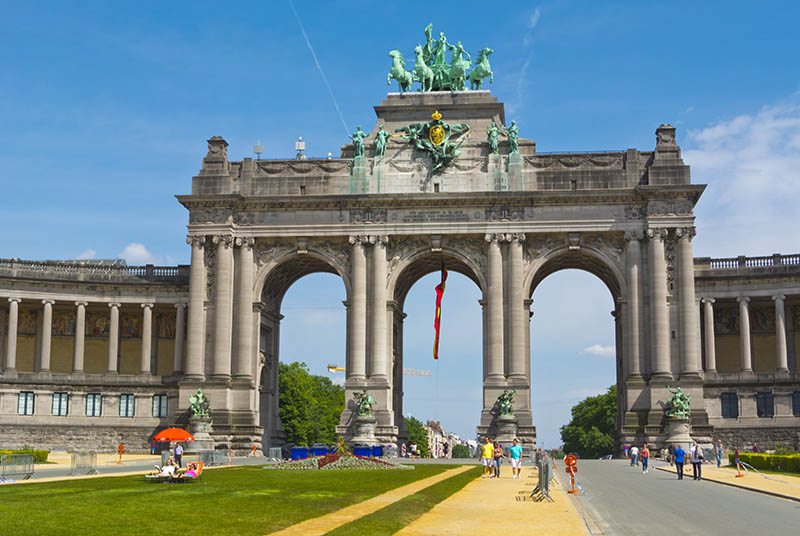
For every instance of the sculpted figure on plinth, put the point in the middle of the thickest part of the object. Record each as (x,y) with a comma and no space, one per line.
(358,141)
(678,405)
(199,405)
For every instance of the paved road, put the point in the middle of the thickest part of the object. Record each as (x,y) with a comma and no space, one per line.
(623,501)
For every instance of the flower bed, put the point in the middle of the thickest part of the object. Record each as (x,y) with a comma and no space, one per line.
(336,461)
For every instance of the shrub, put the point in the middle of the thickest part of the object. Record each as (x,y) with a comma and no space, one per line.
(39,456)
(787,463)
(461,451)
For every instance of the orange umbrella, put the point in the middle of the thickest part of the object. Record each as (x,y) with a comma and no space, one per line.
(173,434)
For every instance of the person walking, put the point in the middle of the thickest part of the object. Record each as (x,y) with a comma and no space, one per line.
(645,458)
(671,454)
(718,451)
(697,461)
(498,458)
(680,457)
(179,455)
(515,457)
(487,458)
(634,456)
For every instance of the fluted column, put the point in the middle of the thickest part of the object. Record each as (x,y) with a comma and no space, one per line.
(494,307)
(80,337)
(11,343)
(744,334)
(147,338)
(780,333)
(634,260)
(516,309)
(708,320)
(180,329)
(113,339)
(223,307)
(47,332)
(379,354)
(358,310)
(659,331)
(244,331)
(195,335)
(689,312)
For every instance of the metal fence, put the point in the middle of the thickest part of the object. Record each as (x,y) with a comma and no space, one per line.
(211,458)
(16,465)
(83,463)
(541,492)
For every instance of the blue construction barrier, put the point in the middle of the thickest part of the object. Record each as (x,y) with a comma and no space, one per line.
(319,450)
(363,451)
(299,453)
(377,450)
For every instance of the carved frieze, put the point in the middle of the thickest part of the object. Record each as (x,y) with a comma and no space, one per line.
(265,251)
(303,167)
(368,215)
(210,260)
(339,250)
(669,207)
(634,212)
(611,161)
(726,320)
(211,215)
(762,320)
(505,213)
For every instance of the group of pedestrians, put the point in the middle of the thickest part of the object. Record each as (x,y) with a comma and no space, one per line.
(637,455)
(492,455)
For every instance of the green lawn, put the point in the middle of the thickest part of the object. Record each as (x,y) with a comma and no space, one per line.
(230,501)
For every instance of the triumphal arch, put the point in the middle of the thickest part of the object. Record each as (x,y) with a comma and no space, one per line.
(442,178)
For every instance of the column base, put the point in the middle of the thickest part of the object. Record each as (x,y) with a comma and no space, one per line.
(517,380)
(691,376)
(10,373)
(635,380)
(661,376)
(495,380)
(193,378)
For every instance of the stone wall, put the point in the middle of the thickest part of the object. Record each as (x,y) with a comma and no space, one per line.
(72,437)
(767,438)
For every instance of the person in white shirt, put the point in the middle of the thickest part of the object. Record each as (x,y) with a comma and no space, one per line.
(635,455)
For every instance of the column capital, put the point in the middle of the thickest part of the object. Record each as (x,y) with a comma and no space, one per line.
(224,240)
(494,237)
(146,305)
(514,237)
(685,232)
(245,241)
(778,297)
(16,300)
(358,239)
(743,299)
(634,234)
(181,305)
(707,300)
(48,301)
(657,233)
(196,240)
(81,303)
(378,239)
(114,305)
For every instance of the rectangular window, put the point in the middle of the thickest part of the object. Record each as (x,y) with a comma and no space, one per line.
(127,405)
(94,405)
(730,405)
(60,404)
(796,403)
(159,405)
(765,405)
(25,403)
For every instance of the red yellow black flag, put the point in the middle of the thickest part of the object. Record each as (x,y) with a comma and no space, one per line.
(439,294)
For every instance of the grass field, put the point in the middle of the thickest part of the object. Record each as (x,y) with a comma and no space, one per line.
(230,501)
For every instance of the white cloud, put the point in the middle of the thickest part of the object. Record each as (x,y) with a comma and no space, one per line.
(136,254)
(600,350)
(535,16)
(88,254)
(751,164)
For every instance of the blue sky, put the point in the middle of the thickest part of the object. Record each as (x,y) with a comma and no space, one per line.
(106,107)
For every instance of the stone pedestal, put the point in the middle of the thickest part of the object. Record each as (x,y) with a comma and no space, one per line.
(200,428)
(678,432)
(515,172)
(364,430)
(505,428)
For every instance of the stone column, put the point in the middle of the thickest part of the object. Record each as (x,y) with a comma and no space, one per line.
(659,318)
(744,334)
(494,308)
(80,337)
(358,311)
(711,355)
(180,329)
(780,333)
(689,312)
(244,330)
(223,307)
(516,369)
(195,335)
(528,315)
(379,357)
(11,343)
(47,331)
(634,260)
(113,339)
(147,338)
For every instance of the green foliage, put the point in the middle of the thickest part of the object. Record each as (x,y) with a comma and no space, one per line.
(234,501)
(39,456)
(309,405)
(590,433)
(461,451)
(417,434)
(784,449)
(785,463)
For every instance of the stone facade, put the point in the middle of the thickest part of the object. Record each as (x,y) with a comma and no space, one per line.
(380,223)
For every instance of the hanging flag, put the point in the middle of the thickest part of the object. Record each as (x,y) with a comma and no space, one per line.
(439,294)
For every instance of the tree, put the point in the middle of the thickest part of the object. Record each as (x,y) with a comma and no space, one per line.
(590,433)
(309,405)
(461,451)
(417,434)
